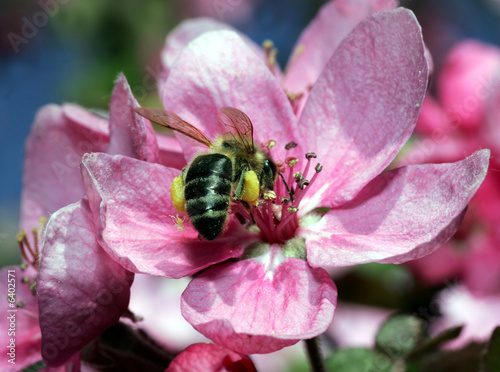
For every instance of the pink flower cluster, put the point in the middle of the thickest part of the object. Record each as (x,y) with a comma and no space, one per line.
(461,118)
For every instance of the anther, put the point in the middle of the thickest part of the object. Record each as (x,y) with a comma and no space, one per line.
(22,266)
(298,176)
(20,236)
(285,200)
(20,304)
(292,209)
(294,99)
(271,54)
(27,250)
(303,183)
(290,145)
(294,96)
(269,195)
(310,155)
(267,45)
(318,168)
(291,161)
(33,288)
(25,280)
(280,166)
(269,144)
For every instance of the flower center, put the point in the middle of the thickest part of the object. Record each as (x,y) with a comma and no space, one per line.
(276,213)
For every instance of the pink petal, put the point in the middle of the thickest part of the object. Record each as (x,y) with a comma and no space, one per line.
(51,177)
(401,215)
(150,293)
(210,358)
(491,134)
(482,266)
(189,30)
(460,307)
(467,80)
(260,305)
(81,290)
(321,38)
(364,106)
(442,264)
(131,134)
(18,323)
(131,200)
(433,121)
(357,325)
(440,149)
(487,200)
(239,12)
(170,152)
(281,360)
(216,70)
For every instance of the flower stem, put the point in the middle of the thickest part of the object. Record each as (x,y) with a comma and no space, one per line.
(314,353)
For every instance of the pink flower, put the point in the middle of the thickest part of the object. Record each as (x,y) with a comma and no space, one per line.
(357,325)
(233,12)
(479,315)
(148,294)
(81,291)
(313,49)
(265,288)
(466,89)
(210,358)
(60,135)
(457,123)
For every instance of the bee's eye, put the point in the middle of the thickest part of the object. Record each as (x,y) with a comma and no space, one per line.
(268,175)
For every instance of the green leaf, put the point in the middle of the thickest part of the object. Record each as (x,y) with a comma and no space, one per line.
(466,359)
(35,367)
(358,360)
(399,335)
(428,345)
(492,357)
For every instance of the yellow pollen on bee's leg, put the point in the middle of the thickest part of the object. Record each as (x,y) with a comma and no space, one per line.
(177,195)
(251,188)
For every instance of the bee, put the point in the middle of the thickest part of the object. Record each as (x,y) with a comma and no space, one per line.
(233,168)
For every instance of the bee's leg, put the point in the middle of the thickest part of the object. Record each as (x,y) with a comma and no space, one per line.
(238,191)
(177,194)
(248,188)
(183,175)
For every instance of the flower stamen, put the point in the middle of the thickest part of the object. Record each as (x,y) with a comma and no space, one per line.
(271,54)
(277,216)
(31,253)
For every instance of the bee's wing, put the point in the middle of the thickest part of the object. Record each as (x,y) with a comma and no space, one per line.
(240,126)
(170,120)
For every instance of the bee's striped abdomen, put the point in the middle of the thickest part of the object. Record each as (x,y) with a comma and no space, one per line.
(207,191)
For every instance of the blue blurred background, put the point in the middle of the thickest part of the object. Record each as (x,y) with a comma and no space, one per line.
(74,49)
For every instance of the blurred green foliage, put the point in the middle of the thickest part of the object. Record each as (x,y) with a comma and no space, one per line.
(113,36)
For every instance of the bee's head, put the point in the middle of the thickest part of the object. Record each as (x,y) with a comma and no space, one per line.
(268,174)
